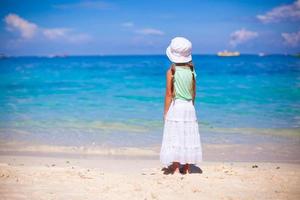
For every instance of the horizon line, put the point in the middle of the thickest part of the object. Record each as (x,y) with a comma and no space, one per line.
(112,55)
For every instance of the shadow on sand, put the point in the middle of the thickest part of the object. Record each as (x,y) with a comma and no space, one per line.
(193,170)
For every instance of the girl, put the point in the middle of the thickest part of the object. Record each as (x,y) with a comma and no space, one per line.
(181,139)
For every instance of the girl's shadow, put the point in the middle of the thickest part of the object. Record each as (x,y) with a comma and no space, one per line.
(193,170)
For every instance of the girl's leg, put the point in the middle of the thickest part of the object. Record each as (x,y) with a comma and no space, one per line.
(186,168)
(175,167)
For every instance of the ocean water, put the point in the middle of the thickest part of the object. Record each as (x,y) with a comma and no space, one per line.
(118,100)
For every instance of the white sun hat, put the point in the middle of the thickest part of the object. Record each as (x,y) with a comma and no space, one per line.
(180,50)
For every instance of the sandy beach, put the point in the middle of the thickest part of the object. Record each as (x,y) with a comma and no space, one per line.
(98,97)
(34,175)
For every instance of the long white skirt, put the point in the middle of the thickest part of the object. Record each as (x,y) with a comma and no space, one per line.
(181,139)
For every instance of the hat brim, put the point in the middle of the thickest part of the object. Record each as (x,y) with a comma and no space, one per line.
(177,59)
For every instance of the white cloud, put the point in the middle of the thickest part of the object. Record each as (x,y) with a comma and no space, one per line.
(150,31)
(30,30)
(285,12)
(291,39)
(16,23)
(241,36)
(55,32)
(128,24)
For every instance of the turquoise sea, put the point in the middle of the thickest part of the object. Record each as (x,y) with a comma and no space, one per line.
(118,100)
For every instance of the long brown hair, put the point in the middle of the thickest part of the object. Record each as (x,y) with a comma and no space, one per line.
(191,66)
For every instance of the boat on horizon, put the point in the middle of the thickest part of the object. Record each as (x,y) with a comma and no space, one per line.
(228,53)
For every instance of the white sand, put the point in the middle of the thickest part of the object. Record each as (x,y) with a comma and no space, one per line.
(41,177)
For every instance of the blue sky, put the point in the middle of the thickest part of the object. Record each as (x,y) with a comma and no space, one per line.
(146,27)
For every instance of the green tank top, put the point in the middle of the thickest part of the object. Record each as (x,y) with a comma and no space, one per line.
(183,80)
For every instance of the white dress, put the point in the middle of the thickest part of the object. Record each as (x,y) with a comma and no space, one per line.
(181,139)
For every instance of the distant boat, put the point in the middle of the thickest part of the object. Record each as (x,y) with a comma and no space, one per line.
(228,53)
(261,54)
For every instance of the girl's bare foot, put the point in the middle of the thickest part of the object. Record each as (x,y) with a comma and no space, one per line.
(186,169)
(176,171)
(175,168)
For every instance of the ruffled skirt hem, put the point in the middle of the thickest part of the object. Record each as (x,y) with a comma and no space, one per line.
(181,139)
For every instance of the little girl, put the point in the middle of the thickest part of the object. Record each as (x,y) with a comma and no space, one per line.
(181,139)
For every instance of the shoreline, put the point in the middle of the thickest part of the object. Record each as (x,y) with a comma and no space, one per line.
(261,152)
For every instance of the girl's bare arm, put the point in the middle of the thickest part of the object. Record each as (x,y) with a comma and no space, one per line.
(194,90)
(168,96)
